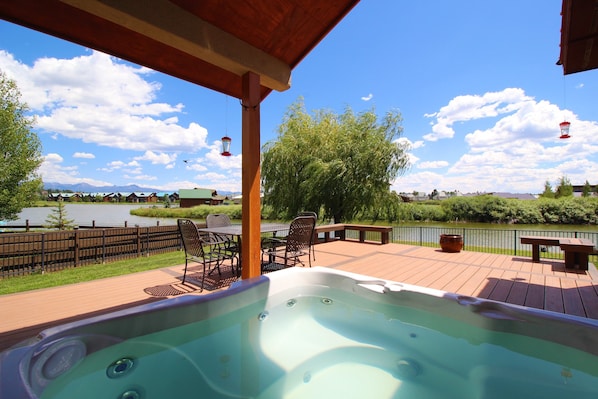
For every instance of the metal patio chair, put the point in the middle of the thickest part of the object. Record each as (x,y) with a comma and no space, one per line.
(315,216)
(283,253)
(224,242)
(195,251)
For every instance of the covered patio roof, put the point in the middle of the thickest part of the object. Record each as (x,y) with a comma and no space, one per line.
(579,36)
(211,43)
(244,49)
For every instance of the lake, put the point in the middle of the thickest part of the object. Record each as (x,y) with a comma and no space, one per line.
(113,215)
(104,215)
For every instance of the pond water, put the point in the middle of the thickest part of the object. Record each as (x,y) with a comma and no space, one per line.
(104,215)
(114,215)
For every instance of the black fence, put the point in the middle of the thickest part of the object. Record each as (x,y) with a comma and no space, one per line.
(496,241)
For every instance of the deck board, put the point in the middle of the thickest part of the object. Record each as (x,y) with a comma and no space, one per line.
(513,279)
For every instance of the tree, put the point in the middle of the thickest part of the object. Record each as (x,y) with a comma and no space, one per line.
(564,188)
(20,152)
(587,189)
(336,164)
(58,219)
(547,193)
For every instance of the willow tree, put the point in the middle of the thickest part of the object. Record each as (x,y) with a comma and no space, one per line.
(20,152)
(335,164)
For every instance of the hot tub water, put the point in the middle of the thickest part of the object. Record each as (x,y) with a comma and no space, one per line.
(353,340)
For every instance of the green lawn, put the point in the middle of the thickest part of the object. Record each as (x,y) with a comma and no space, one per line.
(90,272)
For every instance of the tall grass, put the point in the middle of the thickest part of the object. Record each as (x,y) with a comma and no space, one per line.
(196,212)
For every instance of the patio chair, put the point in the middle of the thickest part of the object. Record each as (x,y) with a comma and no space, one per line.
(315,216)
(283,253)
(195,251)
(225,242)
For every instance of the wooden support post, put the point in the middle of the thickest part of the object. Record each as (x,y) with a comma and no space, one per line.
(251,209)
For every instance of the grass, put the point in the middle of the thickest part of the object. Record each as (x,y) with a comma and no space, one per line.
(90,272)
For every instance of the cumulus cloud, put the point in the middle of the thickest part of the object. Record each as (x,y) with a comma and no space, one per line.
(118,165)
(511,144)
(368,97)
(157,158)
(72,98)
(471,107)
(84,155)
(53,170)
(433,165)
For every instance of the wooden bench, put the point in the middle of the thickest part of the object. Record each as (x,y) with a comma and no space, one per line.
(342,228)
(576,249)
(576,252)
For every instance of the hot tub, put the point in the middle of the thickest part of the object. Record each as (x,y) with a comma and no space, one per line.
(314,333)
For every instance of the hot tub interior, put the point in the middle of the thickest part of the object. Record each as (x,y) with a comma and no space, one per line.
(311,334)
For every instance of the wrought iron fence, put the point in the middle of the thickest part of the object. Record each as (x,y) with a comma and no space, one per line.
(496,241)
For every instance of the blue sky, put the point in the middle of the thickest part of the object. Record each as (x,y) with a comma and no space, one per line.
(475,82)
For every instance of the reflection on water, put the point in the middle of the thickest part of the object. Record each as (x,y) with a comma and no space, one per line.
(104,215)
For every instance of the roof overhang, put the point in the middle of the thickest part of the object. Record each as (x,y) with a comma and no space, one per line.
(210,42)
(579,36)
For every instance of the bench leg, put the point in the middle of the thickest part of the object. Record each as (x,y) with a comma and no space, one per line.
(384,237)
(535,253)
(573,260)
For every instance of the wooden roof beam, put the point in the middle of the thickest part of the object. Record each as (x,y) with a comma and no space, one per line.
(189,34)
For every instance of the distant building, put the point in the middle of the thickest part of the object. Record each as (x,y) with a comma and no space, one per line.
(199,196)
(65,197)
(578,190)
(137,197)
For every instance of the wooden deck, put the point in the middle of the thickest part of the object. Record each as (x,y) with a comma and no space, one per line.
(518,280)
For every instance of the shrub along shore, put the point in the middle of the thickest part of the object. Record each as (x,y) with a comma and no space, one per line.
(478,209)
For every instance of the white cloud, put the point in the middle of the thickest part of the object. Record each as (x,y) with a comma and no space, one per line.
(117,165)
(471,107)
(517,150)
(52,170)
(432,164)
(73,98)
(368,97)
(84,155)
(157,158)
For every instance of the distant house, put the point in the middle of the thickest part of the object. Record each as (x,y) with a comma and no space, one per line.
(578,190)
(137,197)
(65,197)
(198,196)
(101,197)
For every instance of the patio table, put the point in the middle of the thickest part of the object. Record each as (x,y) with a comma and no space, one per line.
(236,230)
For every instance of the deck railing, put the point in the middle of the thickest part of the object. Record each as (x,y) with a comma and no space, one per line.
(496,241)
(26,253)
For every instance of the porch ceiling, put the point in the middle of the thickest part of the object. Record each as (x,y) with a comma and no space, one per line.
(579,36)
(211,43)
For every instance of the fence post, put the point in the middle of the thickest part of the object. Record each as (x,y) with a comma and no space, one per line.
(43,253)
(27,225)
(103,246)
(514,242)
(77,248)
(138,241)
(147,242)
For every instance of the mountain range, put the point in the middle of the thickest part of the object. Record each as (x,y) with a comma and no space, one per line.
(88,188)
